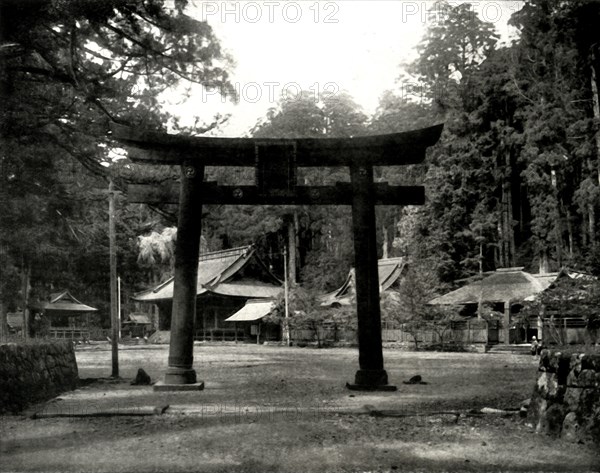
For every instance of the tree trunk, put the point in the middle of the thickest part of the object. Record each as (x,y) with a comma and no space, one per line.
(510,234)
(558,233)
(543,266)
(570,232)
(298,262)
(595,61)
(112,256)
(3,322)
(501,231)
(592,224)
(26,267)
(384,253)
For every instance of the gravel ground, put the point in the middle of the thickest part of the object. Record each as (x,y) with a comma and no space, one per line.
(272,409)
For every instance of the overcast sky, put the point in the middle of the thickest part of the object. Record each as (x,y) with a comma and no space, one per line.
(325,46)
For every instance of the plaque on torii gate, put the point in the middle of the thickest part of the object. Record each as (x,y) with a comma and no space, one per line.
(276,162)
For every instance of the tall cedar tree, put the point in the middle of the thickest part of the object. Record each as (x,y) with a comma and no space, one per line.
(67,69)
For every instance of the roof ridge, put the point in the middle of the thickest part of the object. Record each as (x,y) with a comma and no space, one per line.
(222,253)
(57,296)
(395,259)
(532,279)
(512,269)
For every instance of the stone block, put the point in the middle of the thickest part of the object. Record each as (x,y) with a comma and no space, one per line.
(575,363)
(570,428)
(572,377)
(50,363)
(590,362)
(68,373)
(536,410)
(582,401)
(551,420)
(571,398)
(588,379)
(559,363)
(544,360)
(593,428)
(548,387)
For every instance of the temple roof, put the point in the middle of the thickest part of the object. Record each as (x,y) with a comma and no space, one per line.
(62,302)
(506,284)
(237,272)
(389,270)
(253,310)
(142,319)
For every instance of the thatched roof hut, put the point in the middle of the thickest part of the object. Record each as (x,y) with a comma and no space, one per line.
(505,284)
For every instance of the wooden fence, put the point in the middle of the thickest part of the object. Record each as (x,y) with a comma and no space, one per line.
(565,330)
(459,332)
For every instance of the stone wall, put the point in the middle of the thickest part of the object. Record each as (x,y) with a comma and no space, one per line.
(33,372)
(566,398)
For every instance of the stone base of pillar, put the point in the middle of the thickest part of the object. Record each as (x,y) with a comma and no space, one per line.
(371,380)
(162,386)
(180,376)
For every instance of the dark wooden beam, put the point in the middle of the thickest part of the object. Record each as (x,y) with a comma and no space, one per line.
(378,150)
(340,194)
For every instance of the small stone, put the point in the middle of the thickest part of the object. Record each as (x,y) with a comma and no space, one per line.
(417,379)
(142,378)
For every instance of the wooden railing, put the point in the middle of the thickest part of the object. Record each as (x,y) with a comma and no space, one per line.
(219,335)
(69,333)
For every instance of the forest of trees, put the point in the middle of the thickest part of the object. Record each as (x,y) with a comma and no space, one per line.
(514,180)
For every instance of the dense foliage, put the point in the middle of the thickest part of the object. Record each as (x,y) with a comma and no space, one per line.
(67,70)
(514,180)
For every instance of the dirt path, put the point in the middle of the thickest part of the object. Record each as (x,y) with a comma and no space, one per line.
(275,409)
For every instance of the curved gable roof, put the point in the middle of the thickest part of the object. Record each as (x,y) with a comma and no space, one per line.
(389,271)
(215,270)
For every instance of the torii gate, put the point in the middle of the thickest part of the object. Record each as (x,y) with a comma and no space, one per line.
(276,161)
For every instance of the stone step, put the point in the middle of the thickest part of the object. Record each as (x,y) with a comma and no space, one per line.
(514,349)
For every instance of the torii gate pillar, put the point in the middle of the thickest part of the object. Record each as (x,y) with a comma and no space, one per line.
(180,371)
(371,374)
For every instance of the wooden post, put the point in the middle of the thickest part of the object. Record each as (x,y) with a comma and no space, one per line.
(370,374)
(506,322)
(114,316)
(187,252)
(286,295)
(119,304)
